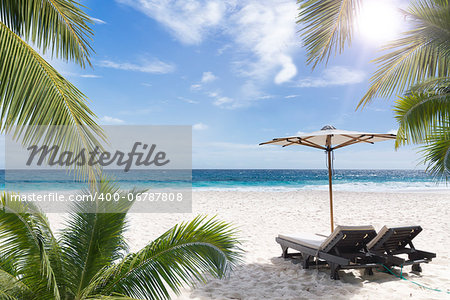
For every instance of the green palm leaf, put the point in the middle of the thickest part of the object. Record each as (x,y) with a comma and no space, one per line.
(59,26)
(423,115)
(111,298)
(418,114)
(90,263)
(115,297)
(26,242)
(423,52)
(93,237)
(437,153)
(11,287)
(438,85)
(327,26)
(6,296)
(33,93)
(181,255)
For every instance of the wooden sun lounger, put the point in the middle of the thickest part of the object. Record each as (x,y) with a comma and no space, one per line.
(392,242)
(345,248)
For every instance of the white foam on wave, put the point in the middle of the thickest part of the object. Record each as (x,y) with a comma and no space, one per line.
(396,187)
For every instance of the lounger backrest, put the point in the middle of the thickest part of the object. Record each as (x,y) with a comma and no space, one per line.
(348,239)
(392,239)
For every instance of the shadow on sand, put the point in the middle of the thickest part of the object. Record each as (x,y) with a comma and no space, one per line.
(285,279)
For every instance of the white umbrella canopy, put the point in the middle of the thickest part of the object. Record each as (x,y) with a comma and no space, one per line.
(328,139)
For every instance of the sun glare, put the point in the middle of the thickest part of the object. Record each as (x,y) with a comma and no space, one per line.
(379,21)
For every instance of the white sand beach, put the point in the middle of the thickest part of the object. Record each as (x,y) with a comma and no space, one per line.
(260,216)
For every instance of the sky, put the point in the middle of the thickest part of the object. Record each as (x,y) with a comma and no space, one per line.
(236,71)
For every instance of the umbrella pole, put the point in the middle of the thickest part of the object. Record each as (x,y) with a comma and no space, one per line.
(330,187)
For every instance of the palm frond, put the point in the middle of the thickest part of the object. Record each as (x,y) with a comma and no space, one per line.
(10,283)
(34,96)
(93,237)
(182,255)
(437,153)
(439,85)
(327,26)
(113,297)
(25,235)
(61,27)
(11,287)
(419,114)
(422,53)
(5,295)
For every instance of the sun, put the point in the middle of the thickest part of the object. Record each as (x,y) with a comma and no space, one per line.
(379,21)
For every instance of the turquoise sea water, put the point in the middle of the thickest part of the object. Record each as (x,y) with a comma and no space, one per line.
(250,180)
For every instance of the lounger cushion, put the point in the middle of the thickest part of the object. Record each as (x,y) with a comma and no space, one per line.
(305,239)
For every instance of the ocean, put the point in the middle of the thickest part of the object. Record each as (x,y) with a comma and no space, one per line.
(233,179)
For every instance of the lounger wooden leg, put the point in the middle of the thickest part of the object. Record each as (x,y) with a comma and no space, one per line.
(416,268)
(334,271)
(305,261)
(368,271)
(284,253)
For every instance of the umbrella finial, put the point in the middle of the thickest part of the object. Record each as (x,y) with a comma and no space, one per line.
(328,127)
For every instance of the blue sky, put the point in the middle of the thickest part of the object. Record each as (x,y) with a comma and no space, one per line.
(236,71)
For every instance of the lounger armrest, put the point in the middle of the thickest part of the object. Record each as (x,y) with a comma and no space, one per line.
(418,254)
(334,259)
(394,260)
(413,253)
(386,259)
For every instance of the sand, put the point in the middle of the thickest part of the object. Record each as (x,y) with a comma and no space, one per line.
(260,216)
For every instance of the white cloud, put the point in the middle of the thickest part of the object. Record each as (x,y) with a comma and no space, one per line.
(196,87)
(208,77)
(146,84)
(251,91)
(266,97)
(248,94)
(223,101)
(333,76)
(190,101)
(98,21)
(377,109)
(199,126)
(260,37)
(220,51)
(188,21)
(90,76)
(153,66)
(288,70)
(111,120)
(75,74)
(265,29)
(291,96)
(227,102)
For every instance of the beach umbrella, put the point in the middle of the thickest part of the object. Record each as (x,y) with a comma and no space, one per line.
(330,139)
